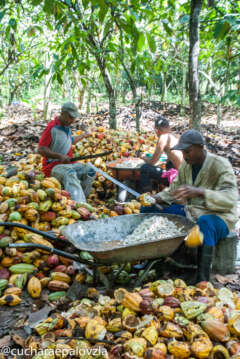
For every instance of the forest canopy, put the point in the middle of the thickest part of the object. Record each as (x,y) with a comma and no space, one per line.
(104,49)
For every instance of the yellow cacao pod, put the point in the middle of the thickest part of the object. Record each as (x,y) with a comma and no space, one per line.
(34,287)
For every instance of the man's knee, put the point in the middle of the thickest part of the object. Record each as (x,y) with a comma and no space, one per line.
(59,172)
(204,220)
(91,172)
(207,227)
(144,169)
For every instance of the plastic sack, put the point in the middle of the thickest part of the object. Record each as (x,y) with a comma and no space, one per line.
(170,175)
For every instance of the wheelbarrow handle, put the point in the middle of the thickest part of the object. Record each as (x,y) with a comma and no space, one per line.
(19,225)
(55,251)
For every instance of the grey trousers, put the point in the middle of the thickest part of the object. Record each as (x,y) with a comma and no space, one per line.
(76,178)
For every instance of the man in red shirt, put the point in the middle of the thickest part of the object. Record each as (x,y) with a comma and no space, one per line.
(55,146)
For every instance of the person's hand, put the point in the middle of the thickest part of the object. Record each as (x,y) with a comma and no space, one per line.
(157,198)
(185,192)
(64,159)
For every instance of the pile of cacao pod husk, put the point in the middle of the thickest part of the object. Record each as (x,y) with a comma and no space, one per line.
(163,319)
(123,144)
(31,199)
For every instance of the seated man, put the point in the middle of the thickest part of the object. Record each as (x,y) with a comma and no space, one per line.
(166,140)
(55,146)
(204,191)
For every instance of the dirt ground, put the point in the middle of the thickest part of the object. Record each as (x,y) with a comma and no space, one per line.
(20,129)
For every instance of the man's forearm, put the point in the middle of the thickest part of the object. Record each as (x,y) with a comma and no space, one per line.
(149,161)
(46,152)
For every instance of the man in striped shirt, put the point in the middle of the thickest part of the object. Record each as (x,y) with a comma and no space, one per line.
(55,146)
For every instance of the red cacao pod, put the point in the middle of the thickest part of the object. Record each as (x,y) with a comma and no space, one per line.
(52,260)
(171,302)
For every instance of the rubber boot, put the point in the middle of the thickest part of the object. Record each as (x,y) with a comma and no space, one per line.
(205,257)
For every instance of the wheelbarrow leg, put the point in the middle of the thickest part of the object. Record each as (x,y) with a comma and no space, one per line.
(114,277)
(104,279)
(147,269)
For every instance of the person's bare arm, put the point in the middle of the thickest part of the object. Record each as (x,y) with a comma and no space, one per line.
(46,152)
(158,151)
(81,137)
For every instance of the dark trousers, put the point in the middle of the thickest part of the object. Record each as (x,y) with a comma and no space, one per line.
(148,173)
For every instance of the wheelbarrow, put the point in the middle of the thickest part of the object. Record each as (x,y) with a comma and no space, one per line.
(104,240)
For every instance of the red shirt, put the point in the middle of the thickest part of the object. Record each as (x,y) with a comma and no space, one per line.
(58,138)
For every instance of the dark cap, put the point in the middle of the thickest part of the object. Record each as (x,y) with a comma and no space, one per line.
(70,108)
(189,138)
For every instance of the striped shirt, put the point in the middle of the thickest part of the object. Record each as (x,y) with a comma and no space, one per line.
(57,138)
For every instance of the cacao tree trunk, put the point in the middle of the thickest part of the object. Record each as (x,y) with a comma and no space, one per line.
(136,98)
(81,90)
(123,93)
(137,103)
(164,87)
(219,112)
(110,92)
(194,91)
(81,97)
(89,100)
(47,88)
(67,85)
(183,94)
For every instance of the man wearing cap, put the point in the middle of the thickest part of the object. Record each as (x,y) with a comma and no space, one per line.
(55,146)
(205,191)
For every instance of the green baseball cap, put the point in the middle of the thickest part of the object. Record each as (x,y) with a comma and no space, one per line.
(70,108)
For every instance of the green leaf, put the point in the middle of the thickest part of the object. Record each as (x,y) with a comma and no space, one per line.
(133,66)
(238,101)
(70,63)
(141,41)
(13,23)
(151,43)
(2,13)
(49,6)
(172,3)
(102,13)
(36,2)
(125,26)
(167,28)
(158,65)
(37,71)
(107,27)
(81,68)
(221,29)
(49,25)
(85,3)
(74,52)
(59,79)
(84,83)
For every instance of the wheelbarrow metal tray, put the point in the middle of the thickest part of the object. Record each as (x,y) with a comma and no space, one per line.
(103,238)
